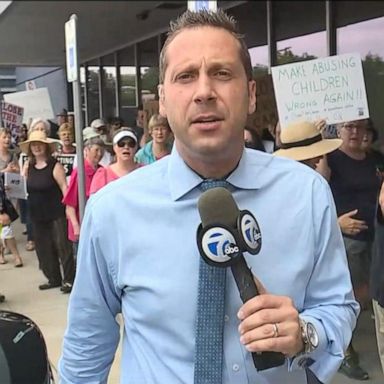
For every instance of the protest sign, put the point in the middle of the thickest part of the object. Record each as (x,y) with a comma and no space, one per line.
(67,160)
(36,103)
(330,88)
(12,118)
(266,110)
(16,185)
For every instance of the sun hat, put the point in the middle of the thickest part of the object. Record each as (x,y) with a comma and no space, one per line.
(39,136)
(97,123)
(122,134)
(89,133)
(301,140)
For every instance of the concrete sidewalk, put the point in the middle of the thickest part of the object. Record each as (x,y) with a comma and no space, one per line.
(48,310)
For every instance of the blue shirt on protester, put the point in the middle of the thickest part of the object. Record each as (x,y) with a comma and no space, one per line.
(138,256)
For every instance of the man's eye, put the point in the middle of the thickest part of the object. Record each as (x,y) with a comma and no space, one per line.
(222,74)
(184,77)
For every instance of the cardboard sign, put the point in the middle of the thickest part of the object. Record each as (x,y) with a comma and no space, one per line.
(12,117)
(67,160)
(266,110)
(36,103)
(16,185)
(330,88)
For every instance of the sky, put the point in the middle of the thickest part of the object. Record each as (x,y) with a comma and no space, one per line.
(362,38)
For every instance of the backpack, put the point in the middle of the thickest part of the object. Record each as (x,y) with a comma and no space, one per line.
(23,352)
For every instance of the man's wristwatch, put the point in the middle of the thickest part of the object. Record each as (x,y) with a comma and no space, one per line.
(309,336)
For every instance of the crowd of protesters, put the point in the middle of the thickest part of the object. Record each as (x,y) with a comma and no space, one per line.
(112,150)
(51,211)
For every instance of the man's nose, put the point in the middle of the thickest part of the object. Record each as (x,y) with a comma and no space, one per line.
(205,91)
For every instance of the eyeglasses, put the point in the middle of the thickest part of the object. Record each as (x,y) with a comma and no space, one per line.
(123,143)
(353,126)
(159,129)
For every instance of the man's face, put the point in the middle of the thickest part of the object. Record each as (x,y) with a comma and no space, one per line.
(206,95)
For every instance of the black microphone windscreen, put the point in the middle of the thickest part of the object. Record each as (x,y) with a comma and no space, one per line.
(217,206)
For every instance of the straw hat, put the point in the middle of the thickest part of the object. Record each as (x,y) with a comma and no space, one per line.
(39,136)
(301,140)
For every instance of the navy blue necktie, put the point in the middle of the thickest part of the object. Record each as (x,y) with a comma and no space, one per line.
(210,315)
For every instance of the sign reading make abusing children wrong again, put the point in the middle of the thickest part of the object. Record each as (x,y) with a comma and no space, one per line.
(331,88)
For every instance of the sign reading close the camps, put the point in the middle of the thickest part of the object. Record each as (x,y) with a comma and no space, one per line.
(12,117)
(35,103)
(330,88)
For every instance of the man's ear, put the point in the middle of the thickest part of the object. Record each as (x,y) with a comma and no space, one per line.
(252,96)
(162,111)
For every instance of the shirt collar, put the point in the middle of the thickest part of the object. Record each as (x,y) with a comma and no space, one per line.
(183,179)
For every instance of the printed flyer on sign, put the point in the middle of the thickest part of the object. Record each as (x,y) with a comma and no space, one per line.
(330,88)
(16,185)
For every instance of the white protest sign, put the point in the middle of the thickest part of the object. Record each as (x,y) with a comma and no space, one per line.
(12,117)
(331,88)
(36,103)
(16,185)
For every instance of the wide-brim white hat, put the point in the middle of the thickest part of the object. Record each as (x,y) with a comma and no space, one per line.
(302,141)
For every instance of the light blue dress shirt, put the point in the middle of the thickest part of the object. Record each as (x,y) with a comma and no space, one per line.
(138,256)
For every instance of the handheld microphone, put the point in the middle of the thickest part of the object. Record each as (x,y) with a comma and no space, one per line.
(224,234)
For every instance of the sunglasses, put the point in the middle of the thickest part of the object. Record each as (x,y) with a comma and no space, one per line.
(123,143)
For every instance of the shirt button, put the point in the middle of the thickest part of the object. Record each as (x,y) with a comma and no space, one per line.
(226,318)
(235,367)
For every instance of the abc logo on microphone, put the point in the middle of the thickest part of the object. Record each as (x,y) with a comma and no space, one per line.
(221,246)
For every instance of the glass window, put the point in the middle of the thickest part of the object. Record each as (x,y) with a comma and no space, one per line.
(128,85)
(366,38)
(93,93)
(109,86)
(149,69)
(304,39)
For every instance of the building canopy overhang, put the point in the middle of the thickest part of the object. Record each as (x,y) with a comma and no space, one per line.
(32,32)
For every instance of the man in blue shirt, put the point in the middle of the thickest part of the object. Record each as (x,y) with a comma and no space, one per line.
(138,254)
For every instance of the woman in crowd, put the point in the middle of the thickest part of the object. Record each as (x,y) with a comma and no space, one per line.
(302,141)
(65,133)
(160,145)
(93,152)
(355,185)
(39,124)
(124,146)
(46,185)
(8,163)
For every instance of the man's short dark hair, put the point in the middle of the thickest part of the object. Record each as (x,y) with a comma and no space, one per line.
(205,18)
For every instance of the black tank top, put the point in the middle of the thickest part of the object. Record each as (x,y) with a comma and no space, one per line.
(355,185)
(44,194)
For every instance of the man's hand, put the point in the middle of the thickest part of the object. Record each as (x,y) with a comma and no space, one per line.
(350,226)
(270,323)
